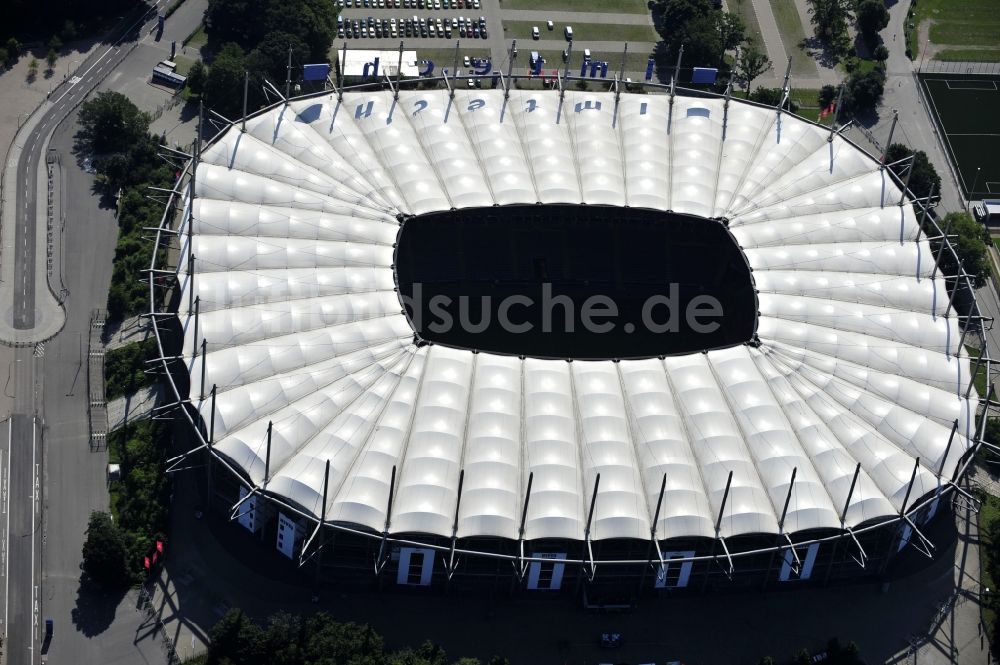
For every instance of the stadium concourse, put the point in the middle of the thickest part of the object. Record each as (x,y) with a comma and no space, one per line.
(811,449)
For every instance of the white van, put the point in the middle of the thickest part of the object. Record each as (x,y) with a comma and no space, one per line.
(569,33)
(586,54)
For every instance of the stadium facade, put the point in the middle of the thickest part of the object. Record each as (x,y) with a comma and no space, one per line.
(813,449)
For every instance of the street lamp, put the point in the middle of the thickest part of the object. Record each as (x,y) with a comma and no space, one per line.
(975,181)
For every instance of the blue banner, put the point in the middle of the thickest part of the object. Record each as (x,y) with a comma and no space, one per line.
(704,75)
(317,72)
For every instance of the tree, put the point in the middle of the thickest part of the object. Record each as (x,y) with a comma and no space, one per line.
(827,96)
(111,123)
(196,78)
(50,59)
(970,247)
(270,58)
(32,69)
(732,30)
(104,552)
(13,49)
(922,178)
(751,63)
(863,90)
(872,18)
(704,32)
(312,21)
(830,19)
(224,83)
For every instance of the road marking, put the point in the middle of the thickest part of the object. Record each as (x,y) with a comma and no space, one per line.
(6,574)
(102,56)
(34,509)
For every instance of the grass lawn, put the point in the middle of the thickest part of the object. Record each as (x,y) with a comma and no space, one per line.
(960,22)
(197,38)
(745,10)
(988,515)
(969,55)
(635,62)
(445,57)
(590,32)
(792,34)
(183,64)
(614,6)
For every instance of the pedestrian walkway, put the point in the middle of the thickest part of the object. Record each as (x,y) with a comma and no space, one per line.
(569,18)
(770,33)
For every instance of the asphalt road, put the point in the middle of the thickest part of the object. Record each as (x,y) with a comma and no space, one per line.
(90,627)
(63,479)
(25,519)
(23,531)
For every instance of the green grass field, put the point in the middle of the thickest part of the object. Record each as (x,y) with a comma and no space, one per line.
(745,10)
(967,107)
(988,515)
(445,57)
(969,55)
(611,6)
(962,23)
(591,32)
(792,34)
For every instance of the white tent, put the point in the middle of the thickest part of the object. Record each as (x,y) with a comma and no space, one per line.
(294,224)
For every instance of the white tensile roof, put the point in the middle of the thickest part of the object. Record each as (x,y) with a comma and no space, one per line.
(294,223)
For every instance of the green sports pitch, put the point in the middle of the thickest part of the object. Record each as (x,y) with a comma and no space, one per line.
(966,109)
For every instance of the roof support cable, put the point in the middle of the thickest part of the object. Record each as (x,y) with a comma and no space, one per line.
(267,455)
(510,69)
(785,87)
(194,338)
(796,562)
(447,83)
(944,243)
(836,115)
(924,207)
(303,557)
(729,559)
(393,88)
(183,457)
(451,565)
(947,448)
(862,558)
(922,544)
(788,499)
(906,182)
(562,88)
(662,570)
(954,289)
(673,81)
(969,500)
(850,494)
(592,570)
(520,567)
(204,366)
(382,557)
(399,68)
(888,144)
(621,75)
(718,527)
(235,510)
(909,488)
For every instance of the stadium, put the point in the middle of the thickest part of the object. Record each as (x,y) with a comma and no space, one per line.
(808,439)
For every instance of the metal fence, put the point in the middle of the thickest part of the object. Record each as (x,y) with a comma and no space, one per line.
(941,67)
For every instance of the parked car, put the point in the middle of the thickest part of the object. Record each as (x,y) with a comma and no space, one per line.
(534,32)
(568,31)
(550,25)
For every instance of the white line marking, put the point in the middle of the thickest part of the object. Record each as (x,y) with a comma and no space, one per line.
(102,56)
(34,508)
(6,574)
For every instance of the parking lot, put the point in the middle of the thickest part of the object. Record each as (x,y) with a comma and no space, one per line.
(439,30)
